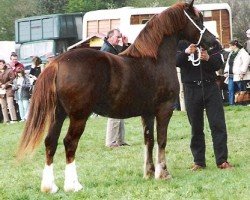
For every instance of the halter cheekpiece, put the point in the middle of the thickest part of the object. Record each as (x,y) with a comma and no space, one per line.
(191,58)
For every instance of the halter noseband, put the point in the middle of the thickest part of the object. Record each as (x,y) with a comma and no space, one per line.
(202,31)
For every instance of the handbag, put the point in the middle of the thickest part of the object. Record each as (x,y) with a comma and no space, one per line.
(242,97)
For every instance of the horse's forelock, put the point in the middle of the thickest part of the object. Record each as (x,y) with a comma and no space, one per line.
(149,39)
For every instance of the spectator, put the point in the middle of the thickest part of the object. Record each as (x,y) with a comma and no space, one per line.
(236,69)
(247,44)
(115,127)
(36,68)
(201,92)
(14,63)
(7,95)
(22,86)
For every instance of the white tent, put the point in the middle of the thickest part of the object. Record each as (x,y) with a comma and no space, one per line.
(6,47)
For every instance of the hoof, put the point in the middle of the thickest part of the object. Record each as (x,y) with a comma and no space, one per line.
(149,171)
(49,189)
(73,187)
(165,176)
(148,175)
(162,173)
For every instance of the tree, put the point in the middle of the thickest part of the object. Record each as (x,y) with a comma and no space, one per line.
(152,3)
(19,9)
(88,5)
(51,6)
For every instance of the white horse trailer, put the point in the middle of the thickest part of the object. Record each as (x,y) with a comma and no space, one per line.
(130,20)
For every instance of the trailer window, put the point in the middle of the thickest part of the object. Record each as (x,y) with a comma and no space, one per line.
(36,49)
(140,19)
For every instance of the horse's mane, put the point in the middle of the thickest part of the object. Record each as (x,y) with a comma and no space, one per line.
(166,23)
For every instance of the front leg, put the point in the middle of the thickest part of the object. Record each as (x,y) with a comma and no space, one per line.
(148,130)
(162,118)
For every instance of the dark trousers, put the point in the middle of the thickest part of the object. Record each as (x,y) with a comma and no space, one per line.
(196,99)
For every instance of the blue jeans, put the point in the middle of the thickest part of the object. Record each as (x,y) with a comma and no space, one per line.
(234,87)
(23,106)
(231,90)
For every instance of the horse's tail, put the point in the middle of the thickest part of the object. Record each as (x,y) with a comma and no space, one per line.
(41,111)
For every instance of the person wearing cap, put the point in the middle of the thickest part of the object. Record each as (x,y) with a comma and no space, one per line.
(236,69)
(7,95)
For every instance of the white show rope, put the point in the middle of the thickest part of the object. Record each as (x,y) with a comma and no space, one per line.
(191,58)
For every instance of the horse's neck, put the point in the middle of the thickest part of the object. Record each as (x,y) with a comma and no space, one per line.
(168,48)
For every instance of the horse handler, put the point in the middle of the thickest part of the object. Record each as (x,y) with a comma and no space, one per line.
(201,92)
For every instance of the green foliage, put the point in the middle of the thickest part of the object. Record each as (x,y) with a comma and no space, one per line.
(117,173)
(152,3)
(51,6)
(88,5)
(10,11)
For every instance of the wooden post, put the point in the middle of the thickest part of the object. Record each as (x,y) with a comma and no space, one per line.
(181,94)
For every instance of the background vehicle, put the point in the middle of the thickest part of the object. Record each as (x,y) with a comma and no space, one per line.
(130,20)
(39,35)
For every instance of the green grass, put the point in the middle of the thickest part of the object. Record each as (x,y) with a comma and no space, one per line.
(117,173)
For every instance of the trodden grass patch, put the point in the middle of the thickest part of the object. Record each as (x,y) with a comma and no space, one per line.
(117,173)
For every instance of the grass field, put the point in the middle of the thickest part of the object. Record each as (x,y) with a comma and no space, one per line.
(117,173)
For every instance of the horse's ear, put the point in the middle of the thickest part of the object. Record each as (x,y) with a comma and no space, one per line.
(191,5)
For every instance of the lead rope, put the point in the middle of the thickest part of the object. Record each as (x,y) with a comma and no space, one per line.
(204,108)
(196,62)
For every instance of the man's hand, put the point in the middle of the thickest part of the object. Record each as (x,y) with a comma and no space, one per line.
(191,49)
(125,40)
(204,55)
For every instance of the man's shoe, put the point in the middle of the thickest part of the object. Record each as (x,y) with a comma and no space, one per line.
(225,165)
(124,144)
(196,167)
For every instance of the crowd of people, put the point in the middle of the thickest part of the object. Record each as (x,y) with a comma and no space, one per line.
(16,86)
(237,70)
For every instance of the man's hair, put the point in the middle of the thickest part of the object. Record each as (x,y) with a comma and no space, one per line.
(13,54)
(111,32)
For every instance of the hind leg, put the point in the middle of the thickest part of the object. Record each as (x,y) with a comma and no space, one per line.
(163,117)
(71,140)
(148,130)
(48,182)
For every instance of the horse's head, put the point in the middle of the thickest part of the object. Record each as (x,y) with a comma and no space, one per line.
(194,31)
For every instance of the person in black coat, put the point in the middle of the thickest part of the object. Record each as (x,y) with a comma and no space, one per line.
(201,92)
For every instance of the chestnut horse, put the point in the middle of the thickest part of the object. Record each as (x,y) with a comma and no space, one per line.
(141,81)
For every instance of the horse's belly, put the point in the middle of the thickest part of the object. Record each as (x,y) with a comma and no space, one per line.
(124,111)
